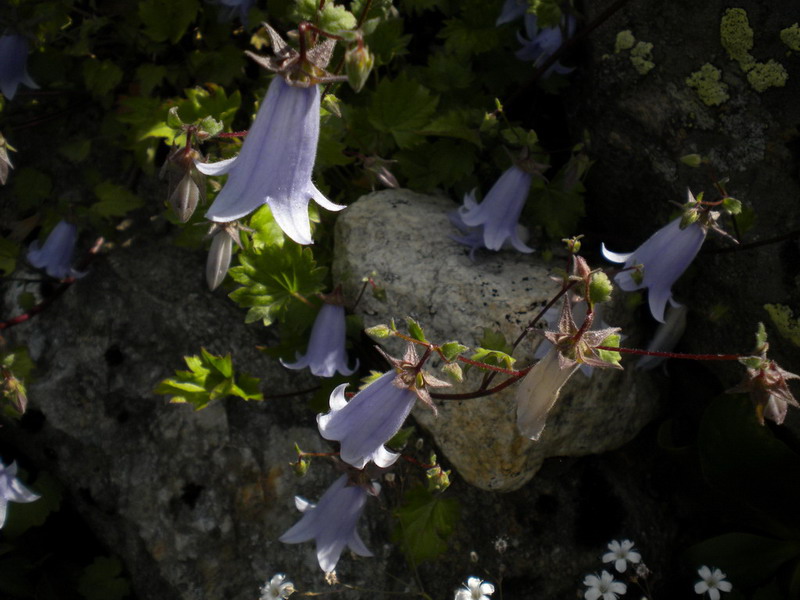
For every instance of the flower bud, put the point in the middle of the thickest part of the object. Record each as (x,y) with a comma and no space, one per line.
(600,288)
(184,198)
(358,65)
(219,259)
(692,160)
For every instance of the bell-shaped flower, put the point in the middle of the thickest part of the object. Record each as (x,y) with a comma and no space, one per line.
(326,353)
(14,64)
(11,490)
(572,347)
(500,210)
(542,43)
(538,393)
(275,164)
(331,523)
(665,255)
(55,256)
(371,418)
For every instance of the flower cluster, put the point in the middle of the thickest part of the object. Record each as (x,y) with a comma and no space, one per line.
(277,587)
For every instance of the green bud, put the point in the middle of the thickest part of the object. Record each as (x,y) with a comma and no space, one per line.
(173,120)
(451,350)
(454,372)
(498,105)
(210,126)
(358,62)
(438,479)
(752,362)
(761,339)
(690,216)
(333,105)
(378,331)
(732,205)
(301,467)
(573,244)
(692,160)
(600,288)
(638,274)
(415,330)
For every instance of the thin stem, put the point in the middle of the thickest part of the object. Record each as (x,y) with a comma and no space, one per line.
(479,393)
(673,354)
(233,134)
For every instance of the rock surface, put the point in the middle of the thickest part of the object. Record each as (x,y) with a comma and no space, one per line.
(403,237)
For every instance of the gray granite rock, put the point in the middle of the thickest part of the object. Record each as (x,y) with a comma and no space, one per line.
(403,237)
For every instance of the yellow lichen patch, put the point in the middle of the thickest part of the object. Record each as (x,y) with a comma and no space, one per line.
(624,41)
(766,75)
(784,320)
(736,36)
(642,57)
(707,82)
(791,37)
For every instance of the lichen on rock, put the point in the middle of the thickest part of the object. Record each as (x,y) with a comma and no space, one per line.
(736,36)
(625,41)
(709,85)
(763,76)
(642,57)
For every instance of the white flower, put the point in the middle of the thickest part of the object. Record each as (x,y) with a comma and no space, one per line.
(603,587)
(475,589)
(711,582)
(621,554)
(277,587)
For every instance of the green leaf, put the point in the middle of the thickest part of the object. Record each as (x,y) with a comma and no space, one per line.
(210,377)
(31,186)
(415,330)
(167,21)
(274,278)
(149,76)
(101,76)
(749,465)
(451,350)
(453,371)
(493,357)
(473,31)
(556,209)
(335,18)
(607,355)
(114,200)
(425,521)
(401,107)
(267,231)
(9,251)
(398,441)
(104,580)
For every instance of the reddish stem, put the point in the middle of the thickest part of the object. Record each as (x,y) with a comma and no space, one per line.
(478,393)
(672,354)
(62,287)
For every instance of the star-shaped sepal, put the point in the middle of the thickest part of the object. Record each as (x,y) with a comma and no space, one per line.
(411,376)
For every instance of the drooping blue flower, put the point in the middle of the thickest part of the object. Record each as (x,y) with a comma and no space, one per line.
(500,210)
(11,490)
(326,353)
(55,257)
(470,236)
(363,425)
(331,523)
(542,43)
(665,255)
(275,164)
(512,9)
(14,64)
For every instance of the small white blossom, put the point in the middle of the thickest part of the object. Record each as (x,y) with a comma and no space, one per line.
(603,587)
(475,589)
(712,583)
(277,587)
(621,554)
